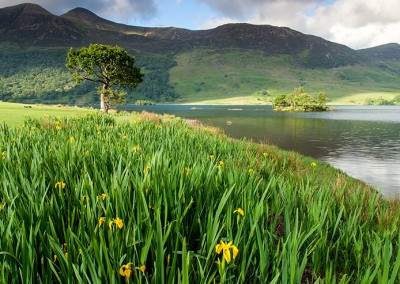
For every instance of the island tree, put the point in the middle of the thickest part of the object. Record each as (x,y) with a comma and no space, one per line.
(299,100)
(112,67)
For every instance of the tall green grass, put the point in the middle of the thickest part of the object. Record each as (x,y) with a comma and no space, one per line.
(84,199)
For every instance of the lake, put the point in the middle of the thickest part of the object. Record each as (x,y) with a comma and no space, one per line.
(363,141)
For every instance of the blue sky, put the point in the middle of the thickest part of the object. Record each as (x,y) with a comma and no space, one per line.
(356,23)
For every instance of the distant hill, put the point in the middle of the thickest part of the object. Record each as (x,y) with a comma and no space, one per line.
(244,59)
(386,52)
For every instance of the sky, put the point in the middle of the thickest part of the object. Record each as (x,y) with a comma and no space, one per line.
(355,23)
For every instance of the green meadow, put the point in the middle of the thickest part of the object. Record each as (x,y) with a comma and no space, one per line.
(14,114)
(92,198)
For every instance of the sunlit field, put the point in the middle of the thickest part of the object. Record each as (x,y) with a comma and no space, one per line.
(152,199)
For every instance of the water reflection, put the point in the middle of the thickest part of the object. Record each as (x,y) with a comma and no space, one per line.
(362,141)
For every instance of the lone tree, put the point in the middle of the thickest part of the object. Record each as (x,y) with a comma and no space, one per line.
(109,66)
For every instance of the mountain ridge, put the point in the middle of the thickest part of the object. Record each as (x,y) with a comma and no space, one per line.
(80,26)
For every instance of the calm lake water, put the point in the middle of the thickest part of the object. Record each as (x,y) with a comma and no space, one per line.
(363,141)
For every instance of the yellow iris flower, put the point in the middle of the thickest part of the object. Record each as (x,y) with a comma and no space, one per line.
(225,249)
(101,221)
(117,221)
(313,164)
(239,211)
(60,185)
(125,270)
(102,196)
(141,268)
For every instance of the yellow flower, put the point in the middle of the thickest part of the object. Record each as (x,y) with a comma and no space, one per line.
(219,167)
(146,169)
(225,249)
(212,157)
(54,258)
(60,185)
(71,139)
(102,196)
(101,221)
(187,171)
(141,268)
(125,270)
(220,163)
(117,221)
(66,255)
(58,127)
(135,148)
(239,211)
(265,154)
(313,164)
(251,171)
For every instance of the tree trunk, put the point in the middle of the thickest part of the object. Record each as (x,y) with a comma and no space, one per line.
(103,106)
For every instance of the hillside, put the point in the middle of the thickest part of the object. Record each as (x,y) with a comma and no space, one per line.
(233,60)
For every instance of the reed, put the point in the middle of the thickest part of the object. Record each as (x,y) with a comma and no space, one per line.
(87,200)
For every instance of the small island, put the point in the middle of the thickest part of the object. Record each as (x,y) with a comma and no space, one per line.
(299,100)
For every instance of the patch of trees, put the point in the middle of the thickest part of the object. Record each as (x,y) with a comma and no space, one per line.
(299,100)
(156,85)
(381,101)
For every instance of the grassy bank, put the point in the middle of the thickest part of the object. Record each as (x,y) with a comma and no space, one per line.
(86,199)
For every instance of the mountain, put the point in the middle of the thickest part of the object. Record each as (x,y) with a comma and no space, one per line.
(30,24)
(185,65)
(386,52)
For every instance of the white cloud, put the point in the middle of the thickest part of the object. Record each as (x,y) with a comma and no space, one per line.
(356,23)
(215,22)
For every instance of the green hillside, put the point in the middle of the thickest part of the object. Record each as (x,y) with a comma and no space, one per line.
(39,75)
(239,76)
(224,76)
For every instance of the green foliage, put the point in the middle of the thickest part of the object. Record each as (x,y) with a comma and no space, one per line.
(299,100)
(175,192)
(107,65)
(144,103)
(382,101)
(39,76)
(156,85)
